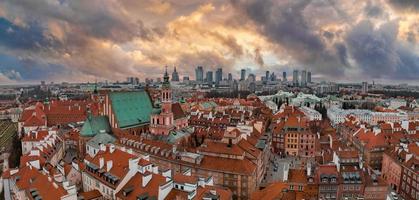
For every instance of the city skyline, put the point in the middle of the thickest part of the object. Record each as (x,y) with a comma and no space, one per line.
(76,41)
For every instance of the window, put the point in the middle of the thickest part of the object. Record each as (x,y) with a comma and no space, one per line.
(300,188)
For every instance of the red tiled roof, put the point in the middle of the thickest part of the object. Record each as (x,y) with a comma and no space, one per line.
(244,166)
(119,158)
(180,178)
(220,148)
(223,193)
(47,189)
(273,192)
(135,183)
(297,176)
(90,195)
(177,111)
(347,154)
(35,135)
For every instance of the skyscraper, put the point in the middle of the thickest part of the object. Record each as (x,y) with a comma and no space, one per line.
(251,78)
(209,79)
(308,77)
(364,87)
(243,75)
(230,77)
(303,78)
(175,75)
(273,77)
(218,75)
(284,76)
(267,76)
(199,74)
(295,78)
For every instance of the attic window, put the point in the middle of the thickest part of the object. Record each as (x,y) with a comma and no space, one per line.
(128,190)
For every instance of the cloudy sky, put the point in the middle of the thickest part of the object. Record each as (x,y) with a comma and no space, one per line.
(79,40)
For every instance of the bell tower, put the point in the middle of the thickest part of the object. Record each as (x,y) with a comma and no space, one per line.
(166,94)
(163,122)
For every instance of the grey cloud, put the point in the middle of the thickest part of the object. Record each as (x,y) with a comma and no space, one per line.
(411,5)
(259,58)
(329,35)
(372,10)
(342,53)
(230,42)
(106,20)
(411,37)
(283,22)
(379,54)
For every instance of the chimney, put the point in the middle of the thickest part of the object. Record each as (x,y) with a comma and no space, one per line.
(101,162)
(146,179)
(109,165)
(111,148)
(309,169)
(102,147)
(286,171)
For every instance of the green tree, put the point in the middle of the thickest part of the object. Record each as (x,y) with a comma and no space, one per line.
(15,152)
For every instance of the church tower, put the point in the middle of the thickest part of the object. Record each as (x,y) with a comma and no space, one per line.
(162,123)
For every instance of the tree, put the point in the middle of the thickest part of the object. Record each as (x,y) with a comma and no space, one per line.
(15,152)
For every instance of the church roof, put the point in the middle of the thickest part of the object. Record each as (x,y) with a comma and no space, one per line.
(131,108)
(95,125)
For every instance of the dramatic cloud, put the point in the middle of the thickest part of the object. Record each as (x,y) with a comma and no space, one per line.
(379,53)
(75,40)
(411,5)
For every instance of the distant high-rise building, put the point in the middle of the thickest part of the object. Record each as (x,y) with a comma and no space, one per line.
(186,78)
(218,75)
(230,77)
(295,78)
(199,74)
(364,87)
(209,78)
(273,77)
(243,75)
(133,80)
(308,77)
(175,75)
(284,76)
(251,78)
(303,78)
(267,76)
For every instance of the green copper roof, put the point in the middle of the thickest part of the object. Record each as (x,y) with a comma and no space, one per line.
(103,138)
(95,125)
(131,108)
(208,104)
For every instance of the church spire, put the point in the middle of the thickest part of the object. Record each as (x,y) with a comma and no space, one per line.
(166,82)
